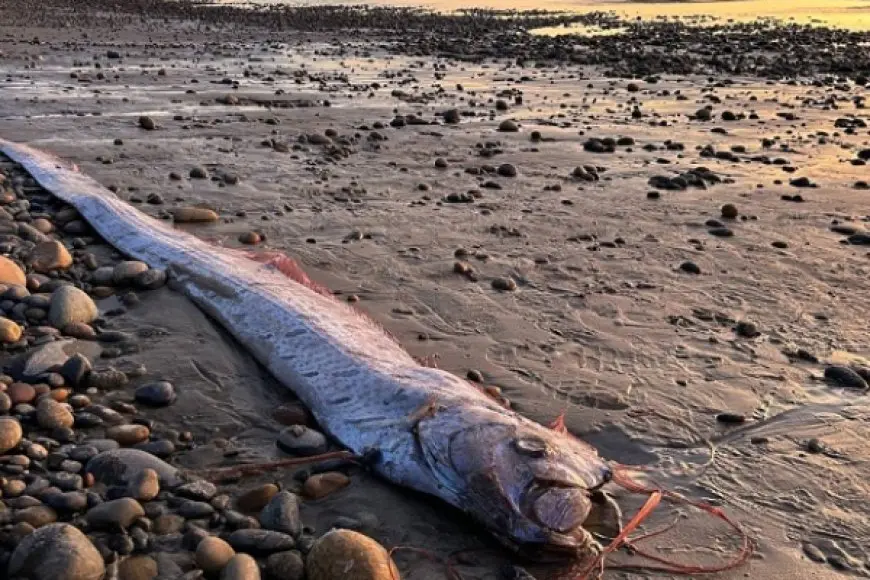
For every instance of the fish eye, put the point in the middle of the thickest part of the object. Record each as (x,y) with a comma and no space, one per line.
(531,446)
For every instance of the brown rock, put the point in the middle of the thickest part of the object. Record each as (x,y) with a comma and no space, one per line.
(137,568)
(9,331)
(10,433)
(212,554)
(36,516)
(193,214)
(291,414)
(127,435)
(21,393)
(51,255)
(256,499)
(322,484)
(241,567)
(51,415)
(11,273)
(349,555)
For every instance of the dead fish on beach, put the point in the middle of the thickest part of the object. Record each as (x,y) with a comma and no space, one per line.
(529,485)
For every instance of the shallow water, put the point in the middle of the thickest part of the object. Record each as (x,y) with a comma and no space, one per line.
(850,14)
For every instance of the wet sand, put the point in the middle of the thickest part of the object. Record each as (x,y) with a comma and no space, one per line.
(649,361)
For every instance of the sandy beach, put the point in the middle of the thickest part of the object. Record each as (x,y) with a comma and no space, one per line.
(666,244)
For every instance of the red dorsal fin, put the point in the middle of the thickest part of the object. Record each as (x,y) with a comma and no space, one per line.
(290,268)
(558,425)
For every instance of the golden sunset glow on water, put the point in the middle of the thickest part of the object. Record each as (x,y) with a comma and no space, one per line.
(851,14)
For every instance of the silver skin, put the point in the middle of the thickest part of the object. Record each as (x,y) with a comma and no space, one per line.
(429,430)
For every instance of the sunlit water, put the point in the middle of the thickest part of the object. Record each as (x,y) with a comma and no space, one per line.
(852,14)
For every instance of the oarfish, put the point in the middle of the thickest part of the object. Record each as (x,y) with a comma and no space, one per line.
(424,428)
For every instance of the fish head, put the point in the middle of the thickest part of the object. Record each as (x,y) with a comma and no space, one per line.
(529,485)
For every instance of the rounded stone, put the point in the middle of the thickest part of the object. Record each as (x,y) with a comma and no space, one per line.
(9,331)
(117,467)
(241,567)
(323,484)
(56,552)
(256,499)
(37,516)
(11,273)
(281,514)
(194,214)
(351,556)
(114,514)
(144,486)
(50,255)
(212,554)
(139,567)
(125,272)
(52,415)
(68,305)
(128,435)
(156,394)
(302,440)
(285,566)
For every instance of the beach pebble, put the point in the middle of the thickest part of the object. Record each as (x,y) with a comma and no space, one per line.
(21,393)
(114,514)
(256,499)
(212,554)
(11,273)
(69,304)
(194,214)
(199,173)
(302,440)
(117,467)
(146,122)
(56,552)
(250,238)
(351,556)
(508,126)
(241,567)
(201,490)
(51,415)
(504,284)
(260,542)
(36,516)
(9,331)
(128,435)
(125,272)
(156,394)
(281,514)
(75,370)
(195,510)
(845,377)
(507,170)
(137,567)
(321,485)
(50,255)
(150,280)
(291,414)
(144,486)
(285,566)
(690,268)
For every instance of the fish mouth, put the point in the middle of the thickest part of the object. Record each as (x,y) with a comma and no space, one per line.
(560,511)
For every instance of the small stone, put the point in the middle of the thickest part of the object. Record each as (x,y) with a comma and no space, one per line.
(349,555)
(845,377)
(75,370)
(144,486)
(256,499)
(69,304)
(50,255)
(213,554)
(250,238)
(302,440)
(814,553)
(147,123)
(201,490)
(21,393)
(168,524)
(79,330)
(504,284)
(690,268)
(199,173)
(508,126)
(9,331)
(291,414)
(282,514)
(323,484)
(285,566)
(106,380)
(125,272)
(260,542)
(195,510)
(51,415)
(731,418)
(10,273)
(56,552)
(114,514)
(241,567)
(36,516)
(117,467)
(150,280)
(194,214)
(139,567)
(507,170)
(747,329)
(729,211)
(156,394)
(128,435)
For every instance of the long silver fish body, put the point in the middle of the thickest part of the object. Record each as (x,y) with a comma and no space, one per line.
(430,430)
